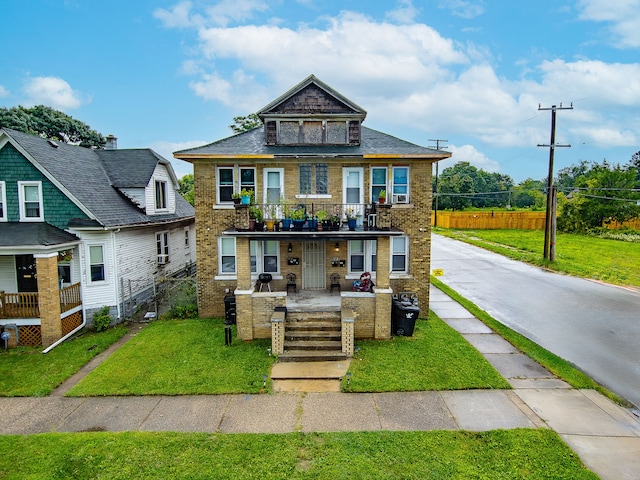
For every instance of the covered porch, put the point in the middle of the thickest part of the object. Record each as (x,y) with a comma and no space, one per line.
(38,303)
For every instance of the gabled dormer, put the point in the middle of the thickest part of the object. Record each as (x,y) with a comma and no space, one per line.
(312,113)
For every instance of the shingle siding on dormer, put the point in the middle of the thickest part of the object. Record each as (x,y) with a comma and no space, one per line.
(14,168)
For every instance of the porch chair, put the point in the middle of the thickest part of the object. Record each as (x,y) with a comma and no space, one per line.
(335,283)
(291,282)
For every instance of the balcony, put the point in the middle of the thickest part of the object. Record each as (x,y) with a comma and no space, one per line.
(26,305)
(322,220)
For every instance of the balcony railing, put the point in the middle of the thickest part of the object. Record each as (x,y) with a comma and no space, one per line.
(315,216)
(26,304)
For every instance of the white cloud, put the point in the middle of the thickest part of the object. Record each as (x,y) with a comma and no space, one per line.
(405,12)
(53,92)
(3,92)
(468,153)
(221,14)
(623,17)
(606,136)
(464,8)
(177,17)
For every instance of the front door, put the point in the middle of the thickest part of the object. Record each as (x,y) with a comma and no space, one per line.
(26,273)
(313,265)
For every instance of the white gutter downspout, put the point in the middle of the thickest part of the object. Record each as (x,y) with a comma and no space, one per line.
(75,330)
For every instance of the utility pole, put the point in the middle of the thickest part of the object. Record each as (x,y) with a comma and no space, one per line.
(435,212)
(550,219)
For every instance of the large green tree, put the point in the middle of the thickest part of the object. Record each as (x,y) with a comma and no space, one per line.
(186,187)
(245,123)
(603,194)
(50,123)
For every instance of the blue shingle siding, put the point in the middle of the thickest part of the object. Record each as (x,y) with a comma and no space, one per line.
(58,209)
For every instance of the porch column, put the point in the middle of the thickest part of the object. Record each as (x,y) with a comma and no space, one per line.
(48,297)
(244,305)
(382,327)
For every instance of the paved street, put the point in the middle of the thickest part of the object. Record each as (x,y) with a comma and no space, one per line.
(592,325)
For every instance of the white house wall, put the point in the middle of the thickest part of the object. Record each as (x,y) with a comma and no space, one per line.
(8,281)
(162,174)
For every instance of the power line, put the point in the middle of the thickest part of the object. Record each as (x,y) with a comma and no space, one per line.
(435,213)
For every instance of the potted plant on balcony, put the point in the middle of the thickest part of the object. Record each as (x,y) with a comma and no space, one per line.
(298,216)
(245,196)
(334,223)
(323,222)
(351,219)
(382,197)
(270,221)
(235,196)
(255,218)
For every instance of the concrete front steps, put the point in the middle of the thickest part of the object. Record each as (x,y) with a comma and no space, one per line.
(312,360)
(313,337)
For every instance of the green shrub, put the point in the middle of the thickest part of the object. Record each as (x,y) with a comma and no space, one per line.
(102,319)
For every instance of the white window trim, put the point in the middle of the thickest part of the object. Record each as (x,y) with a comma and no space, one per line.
(359,207)
(391,193)
(406,255)
(369,247)
(265,176)
(165,246)
(222,274)
(21,201)
(238,183)
(187,237)
(386,181)
(165,195)
(260,258)
(104,263)
(233,183)
(3,199)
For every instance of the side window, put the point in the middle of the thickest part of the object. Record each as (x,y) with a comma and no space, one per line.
(96,263)
(227,249)
(225,184)
(266,255)
(187,239)
(273,185)
(362,256)
(400,187)
(247,179)
(30,198)
(399,254)
(162,247)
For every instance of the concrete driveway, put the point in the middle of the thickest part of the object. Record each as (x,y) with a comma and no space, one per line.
(592,325)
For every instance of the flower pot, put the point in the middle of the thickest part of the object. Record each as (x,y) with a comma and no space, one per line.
(313,224)
(236,201)
(382,200)
(352,223)
(286,224)
(270,225)
(298,224)
(245,199)
(259,227)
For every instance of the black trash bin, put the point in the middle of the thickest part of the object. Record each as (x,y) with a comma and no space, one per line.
(403,317)
(230,310)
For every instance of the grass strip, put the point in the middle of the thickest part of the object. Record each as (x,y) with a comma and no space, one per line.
(498,454)
(181,357)
(27,372)
(436,357)
(556,365)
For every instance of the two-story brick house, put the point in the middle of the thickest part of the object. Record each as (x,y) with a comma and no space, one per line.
(81,229)
(312,154)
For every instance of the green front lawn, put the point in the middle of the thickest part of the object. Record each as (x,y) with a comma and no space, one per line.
(181,357)
(500,454)
(436,357)
(26,372)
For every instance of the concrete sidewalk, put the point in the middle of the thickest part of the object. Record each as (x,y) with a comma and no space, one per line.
(604,435)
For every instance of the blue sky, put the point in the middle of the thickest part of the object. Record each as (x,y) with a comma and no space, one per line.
(172,74)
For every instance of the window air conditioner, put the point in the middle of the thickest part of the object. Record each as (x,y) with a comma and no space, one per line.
(400,198)
(162,259)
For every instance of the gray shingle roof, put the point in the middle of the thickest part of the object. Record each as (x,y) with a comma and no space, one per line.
(93,176)
(34,235)
(253,143)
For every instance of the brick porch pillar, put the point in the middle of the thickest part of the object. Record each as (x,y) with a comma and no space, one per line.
(244,290)
(382,327)
(48,297)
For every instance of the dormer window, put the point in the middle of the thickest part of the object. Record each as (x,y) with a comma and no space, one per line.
(312,132)
(161,195)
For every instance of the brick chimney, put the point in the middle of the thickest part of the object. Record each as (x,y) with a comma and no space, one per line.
(112,143)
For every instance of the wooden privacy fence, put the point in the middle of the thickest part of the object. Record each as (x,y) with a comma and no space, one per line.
(491,220)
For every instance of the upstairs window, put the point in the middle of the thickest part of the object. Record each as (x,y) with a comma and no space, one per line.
(247,179)
(30,199)
(227,183)
(3,202)
(314,179)
(378,182)
(161,195)
(400,186)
